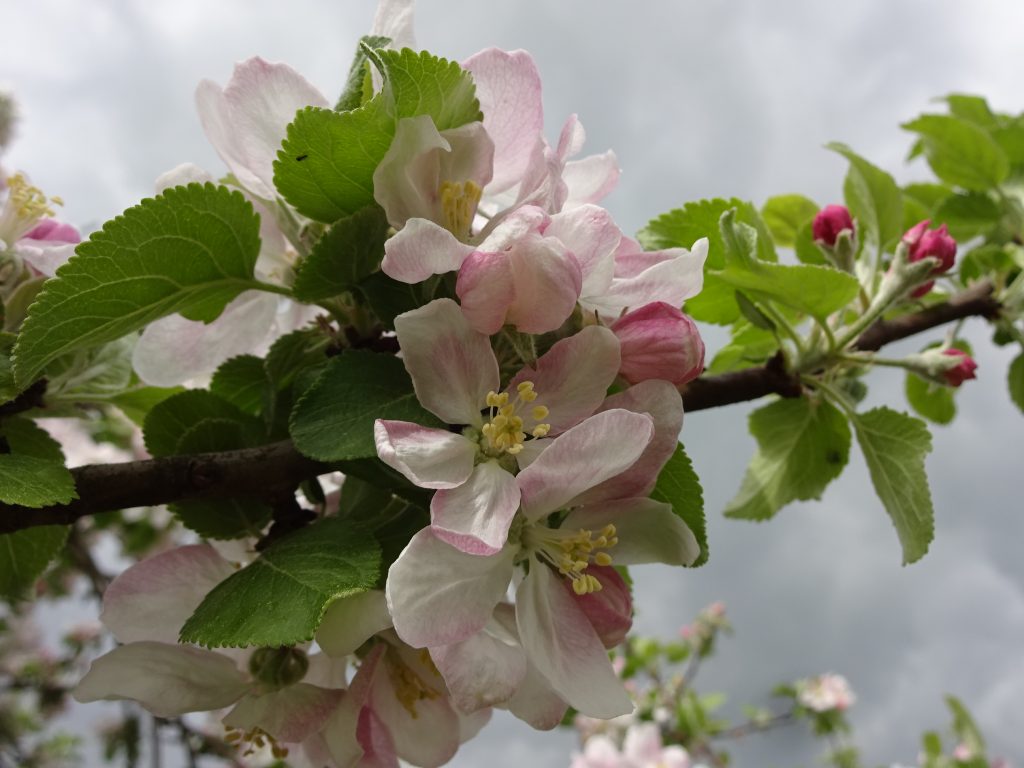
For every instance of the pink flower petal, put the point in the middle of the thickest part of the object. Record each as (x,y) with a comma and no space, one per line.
(486,290)
(375,739)
(547,281)
(591,179)
(421,249)
(289,715)
(536,703)
(661,401)
(572,378)
(508,87)
(563,646)
(438,595)
(475,517)
(648,531)
(451,365)
(155,597)
(430,458)
(592,237)
(480,671)
(351,621)
(596,449)
(168,680)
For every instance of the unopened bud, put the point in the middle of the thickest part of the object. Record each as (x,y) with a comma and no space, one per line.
(278,667)
(658,341)
(830,221)
(923,243)
(949,366)
(962,371)
(609,610)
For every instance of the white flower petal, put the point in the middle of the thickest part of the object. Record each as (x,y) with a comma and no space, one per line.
(480,671)
(648,531)
(475,517)
(430,458)
(289,715)
(351,621)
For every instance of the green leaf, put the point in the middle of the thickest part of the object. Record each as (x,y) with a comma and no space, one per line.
(190,250)
(967,214)
(807,288)
(348,252)
(974,109)
(679,486)
(961,153)
(281,598)
(1010,138)
(326,163)
(388,298)
(24,556)
(682,227)
(352,96)
(754,316)
(423,84)
(137,403)
(784,215)
(802,446)
(334,419)
(243,382)
(932,401)
(894,447)
(295,352)
(806,250)
(927,194)
(169,421)
(32,473)
(1015,380)
(873,197)
(966,730)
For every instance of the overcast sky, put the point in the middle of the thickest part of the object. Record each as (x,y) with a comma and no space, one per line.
(698,99)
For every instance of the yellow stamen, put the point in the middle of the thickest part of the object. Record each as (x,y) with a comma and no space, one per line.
(572,552)
(458,206)
(409,687)
(506,432)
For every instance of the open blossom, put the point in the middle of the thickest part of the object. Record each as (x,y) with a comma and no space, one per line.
(278,693)
(438,595)
(455,374)
(825,693)
(642,747)
(28,231)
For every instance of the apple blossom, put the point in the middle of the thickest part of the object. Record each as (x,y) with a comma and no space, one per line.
(642,747)
(825,693)
(29,234)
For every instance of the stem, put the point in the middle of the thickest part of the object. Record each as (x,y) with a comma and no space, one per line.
(834,395)
(780,320)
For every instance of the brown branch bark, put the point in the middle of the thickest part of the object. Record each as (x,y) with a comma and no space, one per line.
(270,470)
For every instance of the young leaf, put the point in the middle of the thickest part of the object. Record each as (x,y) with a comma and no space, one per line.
(189,250)
(334,419)
(932,401)
(966,730)
(24,556)
(423,84)
(352,96)
(873,197)
(784,215)
(679,486)
(974,109)
(347,253)
(1015,379)
(802,446)
(681,227)
(967,214)
(894,447)
(32,473)
(326,163)
(961,153)
(281,598)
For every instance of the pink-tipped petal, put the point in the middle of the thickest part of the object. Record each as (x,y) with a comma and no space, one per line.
(591,179)
(508,87)
(475,517)
(480,671)
(536,703)
(661,401)
(560,642)
(610,609)
(351,621)
(375,739)
(430,458)
(174,350)
(547,281)
(154,598)
(289,715)
(486,290)
(421,249)
(592,237)
(451,365)
(572,378)
(648,531)
(438,595)
(596,449)
(168,680)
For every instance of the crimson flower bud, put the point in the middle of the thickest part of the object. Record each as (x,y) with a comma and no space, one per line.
(830,221)
(960,373)
(658,341)
(935,243)
(610,609)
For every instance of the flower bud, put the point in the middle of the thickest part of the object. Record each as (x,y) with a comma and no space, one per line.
(935,243)
(658,341)
(610,610)
(830,221)
(278,667)
(962,371)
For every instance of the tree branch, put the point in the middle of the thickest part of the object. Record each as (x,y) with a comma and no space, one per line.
(270,470)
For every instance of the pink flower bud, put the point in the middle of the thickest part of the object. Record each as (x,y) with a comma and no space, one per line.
(935,243)
(659,342)
(830,221)
(609,610)
(963,371)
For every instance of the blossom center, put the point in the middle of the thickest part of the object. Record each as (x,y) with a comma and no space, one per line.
(25,206)
(458,206)
(410,687)
(255,739)
(505,432)
(572,552)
